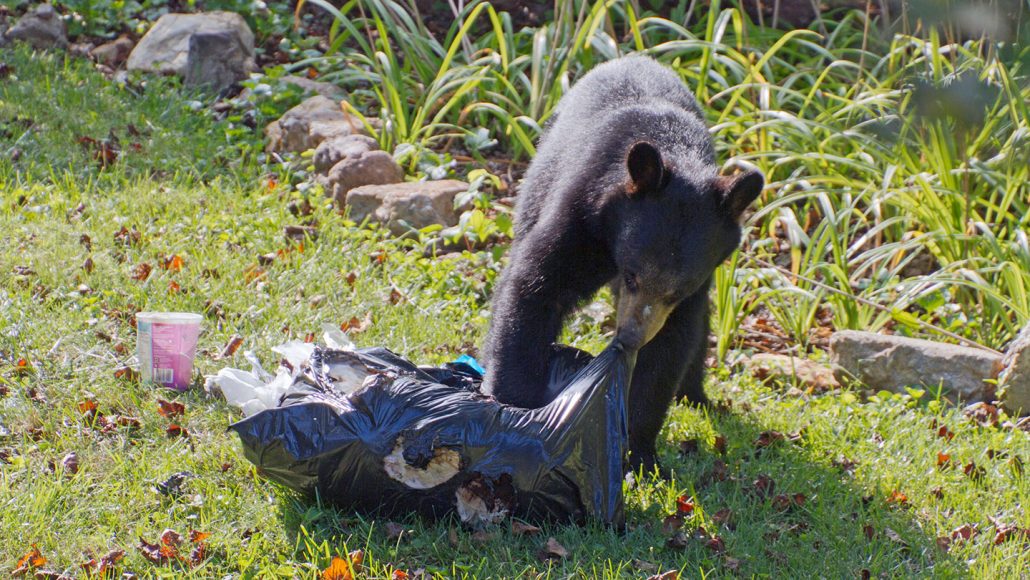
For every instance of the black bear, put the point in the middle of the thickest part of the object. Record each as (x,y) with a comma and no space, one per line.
(624,190)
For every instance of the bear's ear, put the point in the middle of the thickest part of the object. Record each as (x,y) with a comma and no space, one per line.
(736,192)
(646,169)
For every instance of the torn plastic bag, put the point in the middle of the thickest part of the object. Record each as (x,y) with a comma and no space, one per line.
(427,441)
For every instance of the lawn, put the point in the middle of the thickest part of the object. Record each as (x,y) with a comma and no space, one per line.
(772,481)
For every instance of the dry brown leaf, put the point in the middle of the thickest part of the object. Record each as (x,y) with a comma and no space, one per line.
(553,550)
(523,529)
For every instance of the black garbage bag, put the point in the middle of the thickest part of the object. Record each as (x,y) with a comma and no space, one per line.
(426,440)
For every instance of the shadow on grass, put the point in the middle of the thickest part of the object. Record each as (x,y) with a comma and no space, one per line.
(779,511)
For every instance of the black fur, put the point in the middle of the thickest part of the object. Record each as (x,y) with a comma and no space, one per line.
(624,190)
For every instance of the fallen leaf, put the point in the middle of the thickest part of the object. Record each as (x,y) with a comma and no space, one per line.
(32,559)
(231,347)
(763,486)
(945,433)
(716,545)
(868,531)
(983,414)
(943,460)
(644,566)
(141,272)
(896,497)
(394,531)
(731,564)
(974,471)
(672,523)
(173,263)
(87,407)
(173,287)
(678,541)
(684,505)
(688,447)
(197,554)
(87,265)
(1006,532)
(723,516)
(174,430)
(70,463)
(351,278)
(170,537)
(396,297)
(720,445)
(964,532)
(937,493)
(127,373)
(399,575)
(553,550)
(197,537)
(170,409)
(156,553)
(339,569)
(101,567)
(355,325)
(523,529)
(767,438)
(669,575)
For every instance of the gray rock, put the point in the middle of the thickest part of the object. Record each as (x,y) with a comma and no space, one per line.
(305,126)
(893,362)
(1014,379)
(332,151)
(804,373)
(166,46)
(113,53)
(41,28)
(368,168)
(403,206)
(216,60)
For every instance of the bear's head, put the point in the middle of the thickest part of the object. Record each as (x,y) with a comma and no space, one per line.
(675,225)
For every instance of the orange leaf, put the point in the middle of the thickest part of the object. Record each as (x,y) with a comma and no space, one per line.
(173,287)
(197,536)
(173,263)
(87,406)
(341,569)
(32,559)
(898,498)
(684,506)
(943,459)
(400,575)
(174,430)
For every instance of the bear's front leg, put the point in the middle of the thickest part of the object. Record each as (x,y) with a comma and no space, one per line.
(549,272)
(662,366)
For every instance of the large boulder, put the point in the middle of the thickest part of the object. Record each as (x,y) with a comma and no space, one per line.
(1014,379)
(892,363)
(354,161)
(405,206)
(216,60)
(41,28)
(310,123)
(166,46)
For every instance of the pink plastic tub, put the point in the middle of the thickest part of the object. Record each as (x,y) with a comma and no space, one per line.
(166,343)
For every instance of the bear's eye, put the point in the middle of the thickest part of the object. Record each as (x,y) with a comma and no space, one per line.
(631,283)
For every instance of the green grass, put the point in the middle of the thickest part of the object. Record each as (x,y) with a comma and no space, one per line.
(72,328)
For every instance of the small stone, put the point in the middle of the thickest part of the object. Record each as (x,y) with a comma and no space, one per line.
(370,168)
(769,367)
(1014,379)
(113,53)
(305,126)
(165,48)
(892,363)
(42,28)
(405,206)
(330,152)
